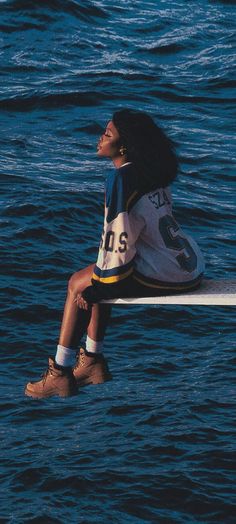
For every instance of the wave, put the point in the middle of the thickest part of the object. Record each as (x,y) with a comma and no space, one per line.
(163,49)
(83,10)
(173,96)
(49,101)
(68,99)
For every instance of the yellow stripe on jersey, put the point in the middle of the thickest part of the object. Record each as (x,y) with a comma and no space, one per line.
(113,279)
(184,285)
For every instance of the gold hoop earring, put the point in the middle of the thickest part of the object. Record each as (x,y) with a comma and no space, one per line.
(123,150)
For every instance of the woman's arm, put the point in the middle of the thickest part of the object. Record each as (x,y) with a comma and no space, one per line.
(117,247)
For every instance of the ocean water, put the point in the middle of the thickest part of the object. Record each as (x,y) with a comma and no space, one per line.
(157,443)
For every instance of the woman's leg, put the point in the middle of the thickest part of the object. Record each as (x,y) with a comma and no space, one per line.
(77,321)
(91,367)
(59,379)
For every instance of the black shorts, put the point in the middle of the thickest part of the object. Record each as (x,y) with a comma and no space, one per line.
(132,288)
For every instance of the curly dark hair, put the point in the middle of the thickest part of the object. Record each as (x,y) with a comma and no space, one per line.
(148,147)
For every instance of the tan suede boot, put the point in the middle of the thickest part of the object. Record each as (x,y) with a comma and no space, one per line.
(54,382)
(91,369)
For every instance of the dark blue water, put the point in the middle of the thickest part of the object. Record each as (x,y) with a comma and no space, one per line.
(157,444)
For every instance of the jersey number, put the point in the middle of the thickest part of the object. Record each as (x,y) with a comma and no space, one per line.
(187,260)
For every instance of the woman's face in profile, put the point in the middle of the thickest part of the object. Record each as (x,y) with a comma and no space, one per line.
(109,143)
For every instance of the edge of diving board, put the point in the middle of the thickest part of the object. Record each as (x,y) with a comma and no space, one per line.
(210,293)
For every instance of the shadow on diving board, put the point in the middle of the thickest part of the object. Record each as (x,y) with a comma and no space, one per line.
(210,293)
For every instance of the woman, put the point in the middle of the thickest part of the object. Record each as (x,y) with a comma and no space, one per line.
(143,251)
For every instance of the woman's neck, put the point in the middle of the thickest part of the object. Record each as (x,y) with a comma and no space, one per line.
(120,162)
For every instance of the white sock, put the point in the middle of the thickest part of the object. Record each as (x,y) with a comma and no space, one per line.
(92,346)
(65,356)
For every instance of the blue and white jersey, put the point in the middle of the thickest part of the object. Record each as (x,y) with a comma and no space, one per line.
(141,237)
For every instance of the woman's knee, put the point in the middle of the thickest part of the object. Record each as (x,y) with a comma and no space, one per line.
(74,283)
(80,280)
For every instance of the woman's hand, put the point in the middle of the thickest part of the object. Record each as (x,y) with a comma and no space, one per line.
(88,297)
(81,302)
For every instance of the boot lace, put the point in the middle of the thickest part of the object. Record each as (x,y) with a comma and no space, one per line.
(46,373)
(80,360)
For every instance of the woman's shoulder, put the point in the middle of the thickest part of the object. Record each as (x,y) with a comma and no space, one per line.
(125,172)
(158,200)
(122,179)
(121,190)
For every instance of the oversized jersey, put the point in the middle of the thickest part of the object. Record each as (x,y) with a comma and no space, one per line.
(141,237)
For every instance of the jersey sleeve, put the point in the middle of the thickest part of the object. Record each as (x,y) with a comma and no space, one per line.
(117,246)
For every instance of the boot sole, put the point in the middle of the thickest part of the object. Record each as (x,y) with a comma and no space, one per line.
(38,396)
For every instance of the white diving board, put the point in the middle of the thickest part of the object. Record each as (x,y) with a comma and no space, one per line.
(210,293)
